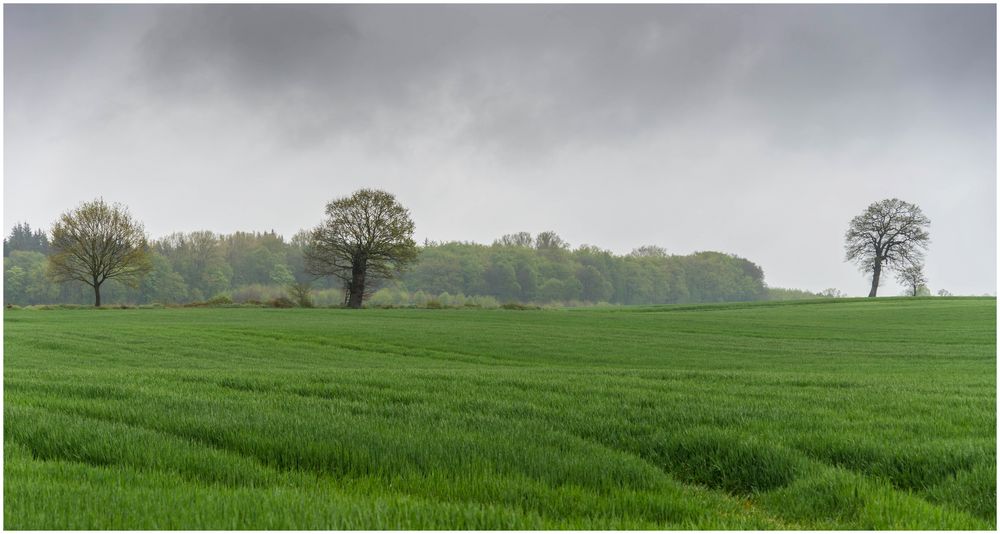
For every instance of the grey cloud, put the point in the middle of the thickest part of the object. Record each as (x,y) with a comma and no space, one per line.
(536,77)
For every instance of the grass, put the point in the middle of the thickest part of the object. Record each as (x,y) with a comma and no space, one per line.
(846,414)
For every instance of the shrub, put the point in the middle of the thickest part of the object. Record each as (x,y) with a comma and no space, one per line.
(251,293)
(385,298)
(452,301)
(518,306)
(282,302)
(433,305)
(221,298)
(482,301)
(300,293)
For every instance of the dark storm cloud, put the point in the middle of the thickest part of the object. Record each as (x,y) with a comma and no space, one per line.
(534,77)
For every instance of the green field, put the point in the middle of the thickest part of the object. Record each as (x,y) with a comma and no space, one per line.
(836,414)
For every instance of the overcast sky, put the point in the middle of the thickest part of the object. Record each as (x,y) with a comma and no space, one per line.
(752,130)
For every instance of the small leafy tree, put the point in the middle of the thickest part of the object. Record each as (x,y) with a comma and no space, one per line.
(890,233)
(366,237)
(97,242)
(913,278)
(832,292)
(301,293)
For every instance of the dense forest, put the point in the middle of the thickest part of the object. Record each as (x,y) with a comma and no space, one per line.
(264,267)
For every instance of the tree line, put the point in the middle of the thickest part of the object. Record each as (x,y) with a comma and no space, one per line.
(263,266)
(545,269)
(365,245)
(319,266)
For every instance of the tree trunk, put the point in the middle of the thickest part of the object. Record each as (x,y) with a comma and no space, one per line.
(97,295)
(875,276)
(357,284)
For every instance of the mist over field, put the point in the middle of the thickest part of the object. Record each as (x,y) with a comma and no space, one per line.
(757,131)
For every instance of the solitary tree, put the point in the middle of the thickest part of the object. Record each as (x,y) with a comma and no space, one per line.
(366,237)
(912,276)
(890,233)
(97,242)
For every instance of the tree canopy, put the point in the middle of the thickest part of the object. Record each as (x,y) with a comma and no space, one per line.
(913,278)
(889,233)
(97,242)
(365,238)
(254,267)
(23,238)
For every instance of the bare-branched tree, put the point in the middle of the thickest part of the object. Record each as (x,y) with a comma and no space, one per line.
(520,239)
(97,242)
(890,233)
(366,237)
(912,276)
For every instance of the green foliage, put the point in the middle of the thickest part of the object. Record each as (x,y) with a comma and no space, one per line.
(23,238)
(517,306)
(365,239)
(221,298)
(191,267)
(780,293)
(398,297)
(25,281)
(301,293)
(163,284)
(282,302)
(912,277)
(97,242)
(593,286)
(257,293)
(501,279)
(833,414)
(282,275)
(511,271)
